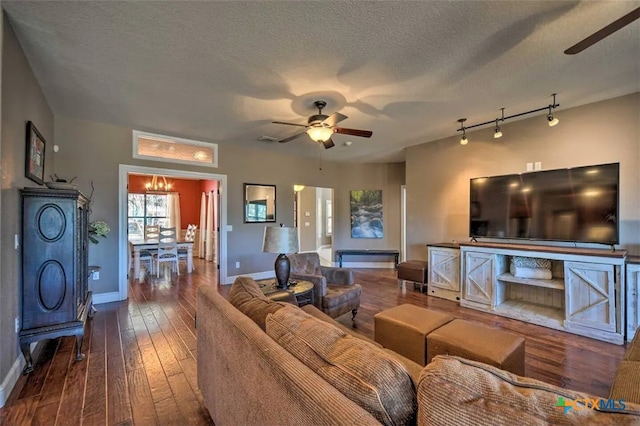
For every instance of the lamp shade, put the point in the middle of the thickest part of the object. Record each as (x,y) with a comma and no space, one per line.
(280,240)
(320,133)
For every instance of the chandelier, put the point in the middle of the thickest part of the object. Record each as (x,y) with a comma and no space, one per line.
(158,183)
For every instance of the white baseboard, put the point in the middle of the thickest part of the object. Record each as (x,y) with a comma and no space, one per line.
(377,265)
(256,276)
(10,380)
(99,298)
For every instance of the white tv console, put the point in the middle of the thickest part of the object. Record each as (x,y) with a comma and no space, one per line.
(585,296)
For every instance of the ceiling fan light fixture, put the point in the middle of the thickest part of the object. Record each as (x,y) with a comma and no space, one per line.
(320,133)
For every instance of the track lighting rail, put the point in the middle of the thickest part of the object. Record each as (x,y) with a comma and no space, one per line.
(495,121)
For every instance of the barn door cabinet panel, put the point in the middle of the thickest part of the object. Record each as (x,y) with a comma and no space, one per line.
(56,300)
(480,271)
(444,272)
(590,296)
(633,296)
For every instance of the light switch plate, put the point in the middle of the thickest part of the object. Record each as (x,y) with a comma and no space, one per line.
(538,165)
(529,167)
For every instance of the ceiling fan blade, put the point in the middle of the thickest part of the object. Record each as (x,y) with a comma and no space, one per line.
(290,138)
(328,144)
(289,124)
(333,119)
(604,32)
(353,132)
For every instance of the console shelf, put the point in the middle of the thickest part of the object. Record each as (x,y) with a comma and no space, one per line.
(555,283)
(547,316)
(586,295)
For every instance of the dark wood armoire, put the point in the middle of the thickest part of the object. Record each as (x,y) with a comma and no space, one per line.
(56,300)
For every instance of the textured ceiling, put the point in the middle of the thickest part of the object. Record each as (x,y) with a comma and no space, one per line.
(222,71)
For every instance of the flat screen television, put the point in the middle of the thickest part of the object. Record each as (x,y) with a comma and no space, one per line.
(578,204)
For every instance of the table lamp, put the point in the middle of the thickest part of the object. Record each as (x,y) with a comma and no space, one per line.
(281,240)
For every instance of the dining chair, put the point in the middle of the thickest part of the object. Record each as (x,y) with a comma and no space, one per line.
(190,235)
(146,258)
(167,249)
(151,232)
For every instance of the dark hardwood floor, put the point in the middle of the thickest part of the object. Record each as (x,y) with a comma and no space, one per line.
(141,355)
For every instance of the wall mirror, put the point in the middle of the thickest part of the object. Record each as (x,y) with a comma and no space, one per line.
(259,203)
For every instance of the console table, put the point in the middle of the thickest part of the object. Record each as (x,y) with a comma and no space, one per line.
(585,296)
(366,252)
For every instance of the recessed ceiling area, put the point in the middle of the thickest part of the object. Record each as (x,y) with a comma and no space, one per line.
(221,72)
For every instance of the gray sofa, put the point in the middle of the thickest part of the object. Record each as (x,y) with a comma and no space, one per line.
(248,378)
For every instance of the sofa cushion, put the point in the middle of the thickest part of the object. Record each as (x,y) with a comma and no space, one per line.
(317,313)
(246,296)
(361,371)
(626,384)
(633,349)
(472,392)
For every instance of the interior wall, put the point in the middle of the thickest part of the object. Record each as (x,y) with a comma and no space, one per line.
(105,146)
(307,225)
(22,100)
(322,238)
(438,173)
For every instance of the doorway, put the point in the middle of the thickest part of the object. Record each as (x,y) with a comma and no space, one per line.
(314,218)
(219,198)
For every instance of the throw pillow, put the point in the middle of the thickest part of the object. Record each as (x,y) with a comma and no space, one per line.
(360,370)
(246,296)
(531,262)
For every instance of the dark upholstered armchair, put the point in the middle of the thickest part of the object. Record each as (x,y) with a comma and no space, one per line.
(334,291)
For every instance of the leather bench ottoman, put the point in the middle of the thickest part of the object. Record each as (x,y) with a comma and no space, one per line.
(414,271)
(404,329)
(478,343)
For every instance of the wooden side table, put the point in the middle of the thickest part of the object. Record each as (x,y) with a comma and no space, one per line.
(302,290)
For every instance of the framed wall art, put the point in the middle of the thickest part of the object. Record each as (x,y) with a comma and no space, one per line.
(366,214)
(34,164)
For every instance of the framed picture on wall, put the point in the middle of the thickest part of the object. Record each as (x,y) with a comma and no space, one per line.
(366,214)
(34,159)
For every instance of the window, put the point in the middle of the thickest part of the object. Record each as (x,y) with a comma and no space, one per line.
(149,146)
(146,209)
(329,218)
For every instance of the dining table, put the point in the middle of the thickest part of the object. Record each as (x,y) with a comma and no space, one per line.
(139,244)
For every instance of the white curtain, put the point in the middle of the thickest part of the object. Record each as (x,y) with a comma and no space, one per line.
(207,241)
(203,225)
(210,230)
(173,204)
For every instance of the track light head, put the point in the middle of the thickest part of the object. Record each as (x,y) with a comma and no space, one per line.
(463,139)
(552,121)
(497,133)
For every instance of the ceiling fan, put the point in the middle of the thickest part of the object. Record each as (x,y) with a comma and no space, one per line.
(321,127)
(604,32)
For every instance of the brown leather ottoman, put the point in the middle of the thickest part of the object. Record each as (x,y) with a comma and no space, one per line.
(404,328)
(414,271)
(478,343)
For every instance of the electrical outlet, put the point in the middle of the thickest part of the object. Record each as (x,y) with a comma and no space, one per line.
(529,167)
(96,275)
(16,241)
(237,265)
(537,165)
(17,324)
